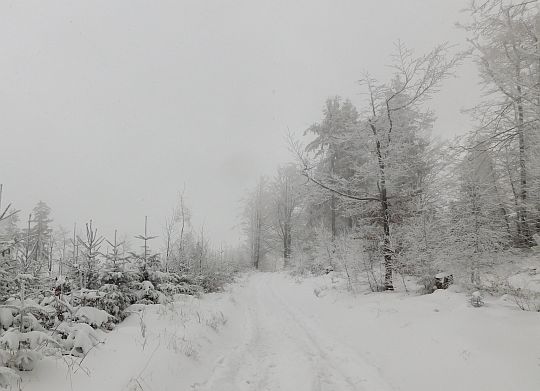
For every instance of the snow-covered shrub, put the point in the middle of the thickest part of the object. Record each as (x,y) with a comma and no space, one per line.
(176,289)
(48,312)
(213,281)
(153,296)
(107,298)
(353,262)
(26,314)
(27,322)
(526,300)
(87,297)
(173,283)
(518,289)
(147,285)
(79,338)
(62,286)
(428,284)
(94,317)
(145,293)
(14,339)
(26,359)
(115,300)
(113,296)
(10,340)
(35,339)
(158,277)
(4,358)
(118,290)
(21,350)
(57,310)
(22,344)
(8,377)
(306,264)
(6,318)
(117,277)
(8,288)
(317,255)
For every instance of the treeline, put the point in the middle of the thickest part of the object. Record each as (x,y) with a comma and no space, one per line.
(33,247)
(371,191)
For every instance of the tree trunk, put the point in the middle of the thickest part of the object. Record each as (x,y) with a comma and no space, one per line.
(287,242)
(257,252)
(333,199)
(387,250)
(525,238)
(333,216)
(388,267)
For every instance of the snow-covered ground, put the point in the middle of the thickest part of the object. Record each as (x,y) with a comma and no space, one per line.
(271,331)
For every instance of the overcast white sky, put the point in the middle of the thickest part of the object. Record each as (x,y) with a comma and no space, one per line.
(108,107)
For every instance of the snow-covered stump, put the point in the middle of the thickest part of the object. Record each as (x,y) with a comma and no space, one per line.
(443,280)
(476,299)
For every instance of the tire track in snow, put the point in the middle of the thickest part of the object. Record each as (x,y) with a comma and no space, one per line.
(354,370)
(282,351)
(228,367)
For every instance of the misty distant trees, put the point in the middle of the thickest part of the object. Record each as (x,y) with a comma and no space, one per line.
(42,232)
(188,249)
(31,247)
(271,215)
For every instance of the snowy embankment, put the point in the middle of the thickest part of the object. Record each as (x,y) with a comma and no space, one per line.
(429,342)
(158,347)
(274,332)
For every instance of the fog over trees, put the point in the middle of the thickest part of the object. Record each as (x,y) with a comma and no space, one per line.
(236,205)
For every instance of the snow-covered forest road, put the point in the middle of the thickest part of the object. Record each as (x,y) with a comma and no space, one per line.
(307,335)
(284,349)
(271,331)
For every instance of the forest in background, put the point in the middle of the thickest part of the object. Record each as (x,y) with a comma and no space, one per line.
(371,192)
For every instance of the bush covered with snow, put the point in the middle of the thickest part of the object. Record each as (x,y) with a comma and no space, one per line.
(115,300)
(213,282)
(8,377)
(63,318)
(95,317)
(78,338)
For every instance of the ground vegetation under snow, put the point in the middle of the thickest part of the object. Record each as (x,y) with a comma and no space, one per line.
(274,331)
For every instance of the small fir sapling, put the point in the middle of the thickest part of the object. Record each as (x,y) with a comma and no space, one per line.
(146,260)
(91,245)
(115,282)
